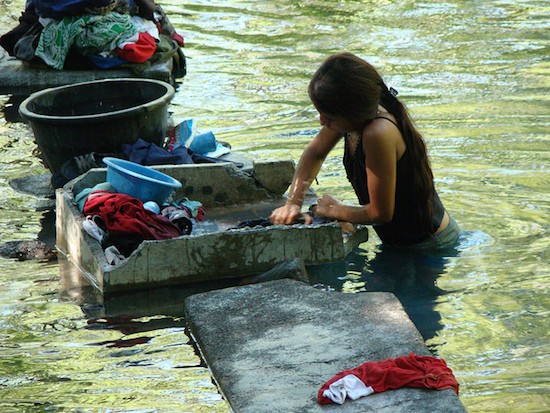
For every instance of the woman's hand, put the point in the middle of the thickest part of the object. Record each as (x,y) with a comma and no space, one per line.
(328,207)
(287,214)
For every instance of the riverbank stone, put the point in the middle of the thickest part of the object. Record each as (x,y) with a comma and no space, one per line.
(271,346)
(18,77)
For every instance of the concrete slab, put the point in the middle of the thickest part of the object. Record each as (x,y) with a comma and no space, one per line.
(271,346)
(20,78)
(150,302)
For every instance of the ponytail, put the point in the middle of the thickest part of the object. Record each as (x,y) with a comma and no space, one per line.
(422,174)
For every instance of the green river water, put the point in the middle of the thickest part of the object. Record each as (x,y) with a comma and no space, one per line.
(475,75)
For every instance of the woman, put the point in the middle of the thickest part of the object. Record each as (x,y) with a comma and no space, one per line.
(385,159)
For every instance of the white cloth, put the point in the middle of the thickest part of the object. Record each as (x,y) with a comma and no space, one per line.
(142,26)
(91,227)
(113,255)
(348,386)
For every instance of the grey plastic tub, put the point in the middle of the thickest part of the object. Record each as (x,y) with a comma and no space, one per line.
(97,116)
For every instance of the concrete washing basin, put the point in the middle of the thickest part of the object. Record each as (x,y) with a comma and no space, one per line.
(228,194)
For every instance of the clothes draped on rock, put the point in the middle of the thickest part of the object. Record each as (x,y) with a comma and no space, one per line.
(147,153)
(90,34)
(180,217)
(393,373)
(141,152)
(78,34)
(138,50)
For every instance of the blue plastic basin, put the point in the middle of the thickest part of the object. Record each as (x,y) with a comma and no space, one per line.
(140,181)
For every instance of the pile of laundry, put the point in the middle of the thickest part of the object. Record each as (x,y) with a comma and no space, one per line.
(120,222)
(183,145)
(85,34)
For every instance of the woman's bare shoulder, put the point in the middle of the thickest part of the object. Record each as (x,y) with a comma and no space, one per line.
(383,133)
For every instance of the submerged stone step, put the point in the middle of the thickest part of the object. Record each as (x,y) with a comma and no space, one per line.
(271,346)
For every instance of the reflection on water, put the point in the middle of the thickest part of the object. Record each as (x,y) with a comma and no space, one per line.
(411,276)
(11,108)
(475,77)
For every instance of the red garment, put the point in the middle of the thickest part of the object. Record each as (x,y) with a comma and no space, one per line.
(124,214)
(140,51)
(405,371)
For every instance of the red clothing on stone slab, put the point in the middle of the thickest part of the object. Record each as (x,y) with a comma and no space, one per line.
(139,51)
(405,371)
(124,214)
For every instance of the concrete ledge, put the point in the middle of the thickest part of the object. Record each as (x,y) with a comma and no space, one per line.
(20,78)
(271,346)
(213,184)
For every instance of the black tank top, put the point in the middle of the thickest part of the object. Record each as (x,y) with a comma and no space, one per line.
(405,228)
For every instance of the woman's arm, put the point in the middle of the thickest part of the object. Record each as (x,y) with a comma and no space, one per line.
(308,167)
(380,147)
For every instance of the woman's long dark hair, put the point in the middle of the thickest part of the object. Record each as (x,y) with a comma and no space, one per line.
(348,86)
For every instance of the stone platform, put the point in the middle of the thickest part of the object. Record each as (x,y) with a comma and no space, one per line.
(19,78)
(271,346)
